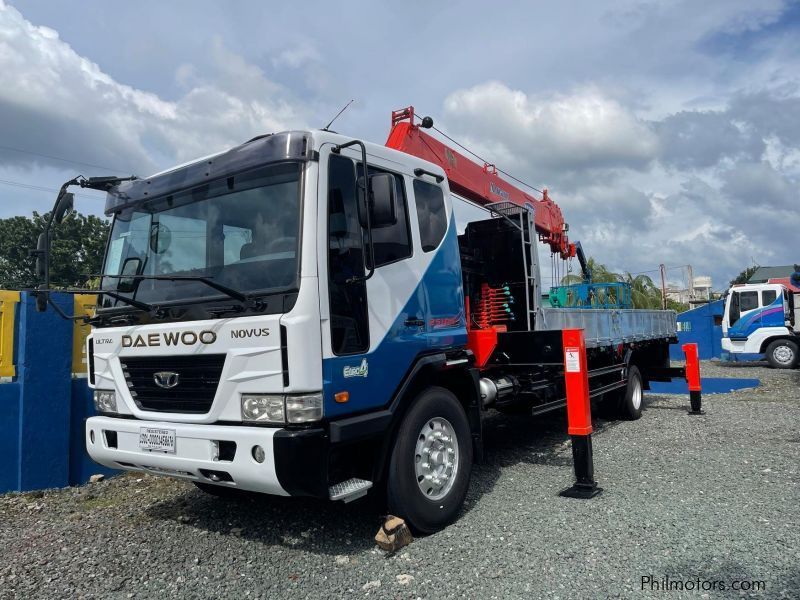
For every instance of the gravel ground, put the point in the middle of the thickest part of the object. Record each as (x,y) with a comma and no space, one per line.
(713,497)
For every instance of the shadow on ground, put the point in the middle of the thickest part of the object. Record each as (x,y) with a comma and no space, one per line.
(334,528)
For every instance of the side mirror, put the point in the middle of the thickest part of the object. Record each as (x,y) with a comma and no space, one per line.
(382,193)
(127,281)
(41,301)
(382,201)
(63,206)
(41,257)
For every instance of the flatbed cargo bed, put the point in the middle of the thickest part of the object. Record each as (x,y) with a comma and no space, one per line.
(606,327)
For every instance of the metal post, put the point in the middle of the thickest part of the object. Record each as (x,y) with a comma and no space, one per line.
(579,415)
(693,378)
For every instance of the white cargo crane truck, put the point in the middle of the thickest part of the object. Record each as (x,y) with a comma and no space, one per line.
(299,316)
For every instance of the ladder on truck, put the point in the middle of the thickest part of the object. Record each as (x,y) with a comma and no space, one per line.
(530,256)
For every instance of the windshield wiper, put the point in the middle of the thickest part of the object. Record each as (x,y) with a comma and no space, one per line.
(143,306)
(246,299)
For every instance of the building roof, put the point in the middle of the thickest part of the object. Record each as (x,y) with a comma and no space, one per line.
(764,274)
(787,283)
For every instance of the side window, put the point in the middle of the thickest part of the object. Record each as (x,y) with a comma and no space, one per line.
(392,243)
(430,213)
(768,297)
(348,299)
(748,301)
(735,312)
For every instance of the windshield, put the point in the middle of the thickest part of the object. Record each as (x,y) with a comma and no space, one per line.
(242,232)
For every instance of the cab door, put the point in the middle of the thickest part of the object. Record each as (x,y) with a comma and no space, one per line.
(744,314)
(373,327)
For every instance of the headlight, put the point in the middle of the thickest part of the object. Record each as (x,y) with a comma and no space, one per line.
(304,409)
(263,408)
(105,401)
(278,410)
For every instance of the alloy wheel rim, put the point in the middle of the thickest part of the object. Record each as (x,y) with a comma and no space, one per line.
(783,354)
(636,396)
(436,458)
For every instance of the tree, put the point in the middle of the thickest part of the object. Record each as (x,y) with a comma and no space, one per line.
(600,274)
(745,275)
(77,249)
(644,292)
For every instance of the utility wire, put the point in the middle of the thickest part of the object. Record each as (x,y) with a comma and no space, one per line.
(39,188)
(67,160)
(465,149)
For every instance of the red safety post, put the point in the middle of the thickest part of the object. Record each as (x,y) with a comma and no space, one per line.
(579,415)
(693,378)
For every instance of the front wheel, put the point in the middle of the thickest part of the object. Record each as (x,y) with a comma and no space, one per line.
(782,354)
(431,461)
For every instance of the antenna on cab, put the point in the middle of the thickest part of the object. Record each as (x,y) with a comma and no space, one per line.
(344,108)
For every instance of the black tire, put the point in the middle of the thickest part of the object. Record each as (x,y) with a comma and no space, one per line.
(630,406)
(782,354)
(220,491)
(404,494)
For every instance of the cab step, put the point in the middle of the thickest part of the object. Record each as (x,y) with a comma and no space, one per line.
(349,490)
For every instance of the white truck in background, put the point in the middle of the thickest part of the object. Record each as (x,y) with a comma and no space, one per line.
(763,318)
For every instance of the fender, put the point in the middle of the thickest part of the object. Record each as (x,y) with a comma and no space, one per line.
(451,370)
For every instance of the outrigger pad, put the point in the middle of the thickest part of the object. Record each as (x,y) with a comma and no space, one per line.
(584,491)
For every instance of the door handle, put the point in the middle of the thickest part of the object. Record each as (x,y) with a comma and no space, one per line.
(414,322)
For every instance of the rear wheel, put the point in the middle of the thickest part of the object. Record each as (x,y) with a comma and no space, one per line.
(631,402)
(782,354)
(431,461)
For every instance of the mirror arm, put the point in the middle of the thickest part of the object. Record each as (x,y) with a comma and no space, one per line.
(337,150)
(61,313)
(98,183)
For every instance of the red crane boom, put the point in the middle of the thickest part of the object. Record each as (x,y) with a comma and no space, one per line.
(481,185)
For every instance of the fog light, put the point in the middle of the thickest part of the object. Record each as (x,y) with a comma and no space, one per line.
(214,450)
(258,454)
(304,409)
(105,401)
(263,408)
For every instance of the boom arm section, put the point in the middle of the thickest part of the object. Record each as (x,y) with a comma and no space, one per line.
(480,184)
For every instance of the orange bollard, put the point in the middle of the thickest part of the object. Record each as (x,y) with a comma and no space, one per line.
(693,378)
(579,415)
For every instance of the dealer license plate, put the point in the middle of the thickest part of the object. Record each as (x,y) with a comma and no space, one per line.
(158,440)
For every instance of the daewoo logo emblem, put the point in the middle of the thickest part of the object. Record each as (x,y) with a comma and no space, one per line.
(166,379)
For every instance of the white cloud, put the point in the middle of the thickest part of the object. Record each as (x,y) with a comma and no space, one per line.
(693,187)
(52,98)
(297,56)
(584,129)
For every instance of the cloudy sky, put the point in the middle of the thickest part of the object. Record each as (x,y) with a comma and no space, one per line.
(668,131)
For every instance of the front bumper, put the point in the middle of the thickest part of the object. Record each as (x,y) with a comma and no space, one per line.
(295,463)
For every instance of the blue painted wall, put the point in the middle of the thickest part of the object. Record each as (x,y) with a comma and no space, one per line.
(699,325)
(42,411)
(9,436)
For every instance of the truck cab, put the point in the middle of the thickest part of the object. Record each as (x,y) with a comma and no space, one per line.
(265,325)
(760,319)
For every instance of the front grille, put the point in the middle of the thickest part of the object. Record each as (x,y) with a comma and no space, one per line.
(198,380)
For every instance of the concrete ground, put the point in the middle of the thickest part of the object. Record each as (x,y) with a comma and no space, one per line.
(692,505)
